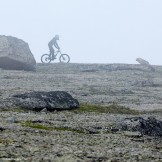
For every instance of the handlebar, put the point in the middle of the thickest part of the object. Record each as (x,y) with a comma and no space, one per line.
(58,51)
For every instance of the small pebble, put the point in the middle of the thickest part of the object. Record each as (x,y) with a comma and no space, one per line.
(10,120)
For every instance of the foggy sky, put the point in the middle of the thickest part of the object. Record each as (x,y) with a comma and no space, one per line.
(91,31)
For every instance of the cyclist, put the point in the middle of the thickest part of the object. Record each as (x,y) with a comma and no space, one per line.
(52,43)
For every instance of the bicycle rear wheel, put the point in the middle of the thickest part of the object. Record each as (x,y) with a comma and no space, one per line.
(46,58)
(64,58)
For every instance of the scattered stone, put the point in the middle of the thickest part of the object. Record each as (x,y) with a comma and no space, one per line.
(114,129)
(2,129)
(44,110)
(150,126)
(10,120)
(138,139)
(133,134)
(15,54)
(159,146)
(53,100)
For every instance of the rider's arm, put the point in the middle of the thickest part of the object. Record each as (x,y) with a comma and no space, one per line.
(56,45)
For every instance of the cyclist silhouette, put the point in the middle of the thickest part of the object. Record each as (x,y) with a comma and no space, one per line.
(48,57)
(52,43)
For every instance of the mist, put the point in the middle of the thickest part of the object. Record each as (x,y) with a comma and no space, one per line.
(93,31)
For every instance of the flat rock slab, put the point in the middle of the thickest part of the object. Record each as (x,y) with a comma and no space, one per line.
(54,100)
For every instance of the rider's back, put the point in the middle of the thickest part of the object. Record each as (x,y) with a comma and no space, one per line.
(52,42)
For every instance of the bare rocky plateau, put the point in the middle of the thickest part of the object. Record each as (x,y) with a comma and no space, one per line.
(71,136)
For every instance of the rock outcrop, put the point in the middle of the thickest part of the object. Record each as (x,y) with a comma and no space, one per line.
(150,126)
(145,63)
(15,54)
(54,100)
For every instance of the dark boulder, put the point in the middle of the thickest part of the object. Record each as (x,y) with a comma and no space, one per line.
(15,54)
(150,126)
(54,100)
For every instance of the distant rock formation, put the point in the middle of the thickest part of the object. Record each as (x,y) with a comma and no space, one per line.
(54,100)
(145,63)
(15,54)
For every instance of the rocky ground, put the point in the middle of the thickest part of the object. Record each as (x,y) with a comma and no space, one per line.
(80,135)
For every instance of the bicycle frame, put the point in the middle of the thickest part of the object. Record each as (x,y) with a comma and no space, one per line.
(55,54)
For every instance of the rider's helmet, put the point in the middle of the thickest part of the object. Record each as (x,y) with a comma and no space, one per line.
(57,37)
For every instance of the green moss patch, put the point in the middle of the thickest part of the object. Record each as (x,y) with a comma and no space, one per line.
(113,108)
(44,127)
(35,126)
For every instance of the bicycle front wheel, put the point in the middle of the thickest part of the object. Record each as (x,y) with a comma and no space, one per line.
(45,58)
(64,58)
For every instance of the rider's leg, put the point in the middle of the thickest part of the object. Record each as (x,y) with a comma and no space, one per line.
(51,52)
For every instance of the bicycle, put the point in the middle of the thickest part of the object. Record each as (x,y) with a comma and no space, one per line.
(47,58)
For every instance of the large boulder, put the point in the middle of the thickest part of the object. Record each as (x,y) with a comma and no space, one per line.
(53,100)
(15,54)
